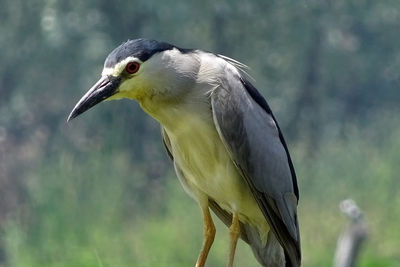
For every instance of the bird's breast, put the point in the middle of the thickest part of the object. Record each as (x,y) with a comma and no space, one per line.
(205,167)
(201,156)
(208,169)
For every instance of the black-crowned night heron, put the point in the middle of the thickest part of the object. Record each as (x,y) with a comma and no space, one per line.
(225,143)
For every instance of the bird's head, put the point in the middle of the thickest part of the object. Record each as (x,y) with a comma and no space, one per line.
(142,69)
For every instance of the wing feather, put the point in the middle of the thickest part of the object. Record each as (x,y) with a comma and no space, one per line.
(256,145)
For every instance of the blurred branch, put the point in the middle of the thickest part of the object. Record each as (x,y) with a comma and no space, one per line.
(350,241)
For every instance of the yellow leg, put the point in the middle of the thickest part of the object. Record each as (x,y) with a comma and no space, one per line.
(209,234)
(234,232)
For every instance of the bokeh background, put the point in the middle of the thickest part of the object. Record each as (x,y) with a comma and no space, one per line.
(100,191)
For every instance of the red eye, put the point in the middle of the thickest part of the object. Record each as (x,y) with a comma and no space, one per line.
(132,67)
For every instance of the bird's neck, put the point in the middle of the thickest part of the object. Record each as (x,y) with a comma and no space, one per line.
(170,111)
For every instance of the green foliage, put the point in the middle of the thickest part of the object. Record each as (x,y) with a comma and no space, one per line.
(79,217)
(80,212)
(355,167)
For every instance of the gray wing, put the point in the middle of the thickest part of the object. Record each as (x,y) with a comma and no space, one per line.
(253,139)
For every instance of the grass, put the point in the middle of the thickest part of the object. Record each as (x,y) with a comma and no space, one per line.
(98,211)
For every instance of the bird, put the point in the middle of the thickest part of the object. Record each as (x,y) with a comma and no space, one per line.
(226,146)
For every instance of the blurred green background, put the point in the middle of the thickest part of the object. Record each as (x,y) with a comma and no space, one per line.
(100,191)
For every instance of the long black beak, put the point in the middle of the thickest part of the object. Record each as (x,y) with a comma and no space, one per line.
(103,89)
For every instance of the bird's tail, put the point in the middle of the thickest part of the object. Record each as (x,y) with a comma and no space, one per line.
(270,254)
